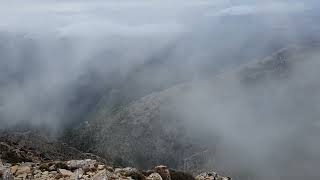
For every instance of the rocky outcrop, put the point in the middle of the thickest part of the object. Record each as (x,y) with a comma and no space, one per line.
(22,157)
(211,176)
(91,169)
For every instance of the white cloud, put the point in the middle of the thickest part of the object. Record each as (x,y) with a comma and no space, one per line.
(261,8)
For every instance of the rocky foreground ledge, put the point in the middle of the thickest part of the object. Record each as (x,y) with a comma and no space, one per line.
(32,156)
(92,169)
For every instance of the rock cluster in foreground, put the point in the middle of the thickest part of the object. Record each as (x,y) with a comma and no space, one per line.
(31,156)
(92,169)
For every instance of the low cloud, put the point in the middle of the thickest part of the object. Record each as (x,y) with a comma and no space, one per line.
(54,54)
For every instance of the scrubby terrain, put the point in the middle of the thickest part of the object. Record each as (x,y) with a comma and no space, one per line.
(31,156)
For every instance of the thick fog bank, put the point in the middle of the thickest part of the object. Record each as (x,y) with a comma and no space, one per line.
(59,60)
(264,115)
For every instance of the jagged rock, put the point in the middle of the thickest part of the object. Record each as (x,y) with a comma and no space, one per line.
(100,167)
(23,175)
(135,175)
(78,169)
(223,178)
(77,174)
(52,168)
(211,176)
(14,169)
(109,168)
(154,176)
(111,175)
(206,175)
(100,175)
(46,173)
(178,175)
(163,171)
(65,172)
(76,164)
(33,171)
(23,170)
(37,176)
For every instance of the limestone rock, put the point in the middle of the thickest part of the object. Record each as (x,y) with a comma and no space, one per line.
(91,169)
(100,175)
(76,164)
(45,173)
(14,169)
(23,176)
(23,170)
(211,176)
(65,172)
(163,171)
(100,167)
(154,176)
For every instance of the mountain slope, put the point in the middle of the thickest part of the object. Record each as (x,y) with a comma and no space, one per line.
(248,113)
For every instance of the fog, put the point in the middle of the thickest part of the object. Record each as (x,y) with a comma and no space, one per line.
(266,126)
(58,59)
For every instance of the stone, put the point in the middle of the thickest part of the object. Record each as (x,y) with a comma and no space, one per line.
(77,174)
(117,170)
(76,164)
(46,173)
(154,176)
(100,175)
(85,176)
(100,167)
(163,171)
(37,175)
(14,169)
(37,171)
(23,175)
(109,168)
(211,176)
(52,168)
(58,176)
(65,172)
(223,178)
(23,170)
(128,171)
(90,173)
